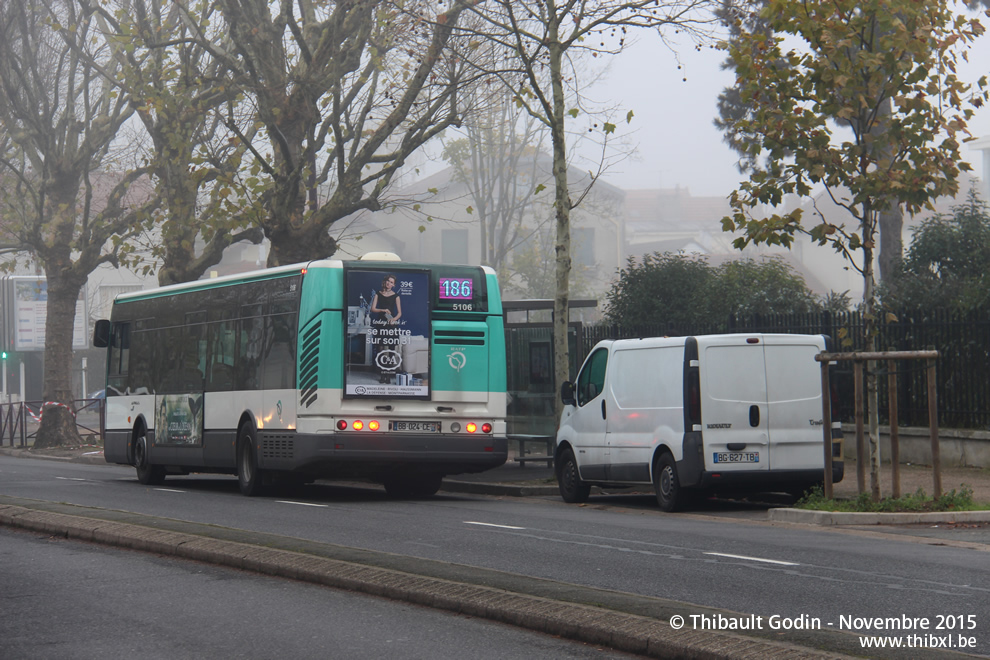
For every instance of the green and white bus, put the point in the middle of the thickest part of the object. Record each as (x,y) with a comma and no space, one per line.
(380,370)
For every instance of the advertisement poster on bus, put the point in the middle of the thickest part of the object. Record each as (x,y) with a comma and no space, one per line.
(388,331)
(179,419)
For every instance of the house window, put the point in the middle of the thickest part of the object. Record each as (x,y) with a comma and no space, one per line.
(454,246)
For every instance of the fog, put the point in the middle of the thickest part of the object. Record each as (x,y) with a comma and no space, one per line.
(677,144)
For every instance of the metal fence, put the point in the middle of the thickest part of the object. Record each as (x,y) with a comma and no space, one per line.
(19,421)
(963,369)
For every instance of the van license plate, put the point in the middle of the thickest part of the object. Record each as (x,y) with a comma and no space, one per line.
(416,427)
(737,457)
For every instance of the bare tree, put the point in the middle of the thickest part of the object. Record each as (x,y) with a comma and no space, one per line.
(184,99)
(499,160)
(58,120)
(548,39)
(343,93)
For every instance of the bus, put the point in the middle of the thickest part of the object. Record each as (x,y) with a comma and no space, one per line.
(376,370)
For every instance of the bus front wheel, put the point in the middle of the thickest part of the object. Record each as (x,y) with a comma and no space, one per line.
(249,477)
(147,474)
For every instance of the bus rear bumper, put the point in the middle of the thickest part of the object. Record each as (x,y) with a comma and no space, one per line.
(366,454)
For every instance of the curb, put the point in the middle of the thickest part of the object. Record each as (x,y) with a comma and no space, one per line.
(852,518)
(487,488)
(585,623)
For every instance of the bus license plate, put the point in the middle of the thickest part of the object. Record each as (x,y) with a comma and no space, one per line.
(737,457)
(416,427)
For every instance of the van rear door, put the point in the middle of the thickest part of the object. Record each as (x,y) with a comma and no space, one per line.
(794,400)
(734,421)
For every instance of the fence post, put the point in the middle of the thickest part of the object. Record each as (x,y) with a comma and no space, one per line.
(827,429)
(933,430)
(860,445)
(895,448)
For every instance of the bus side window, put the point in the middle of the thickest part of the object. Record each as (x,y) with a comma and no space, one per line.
(118,360)
(222,349)
(250,349)
(280,352)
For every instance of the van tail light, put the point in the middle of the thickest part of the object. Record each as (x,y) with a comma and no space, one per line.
(694,397)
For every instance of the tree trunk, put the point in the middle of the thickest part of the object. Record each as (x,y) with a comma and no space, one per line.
(890,220)
(293,245)
(891,242)
(562,210)
(58,423)
(871,326)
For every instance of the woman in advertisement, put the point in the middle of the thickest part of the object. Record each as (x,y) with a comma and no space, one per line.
(386,309)
(386,305)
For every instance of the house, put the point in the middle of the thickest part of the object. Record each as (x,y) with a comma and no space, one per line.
(440,220)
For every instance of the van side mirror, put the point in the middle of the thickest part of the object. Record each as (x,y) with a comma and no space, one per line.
(567,393)
(101,334)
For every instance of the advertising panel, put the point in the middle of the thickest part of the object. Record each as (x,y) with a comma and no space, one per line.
(388,333)
(28,313)
(179,419)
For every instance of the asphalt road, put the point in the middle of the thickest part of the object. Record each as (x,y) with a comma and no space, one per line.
(65,599)
(797,573)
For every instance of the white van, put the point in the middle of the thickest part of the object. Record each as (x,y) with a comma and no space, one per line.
(715,413)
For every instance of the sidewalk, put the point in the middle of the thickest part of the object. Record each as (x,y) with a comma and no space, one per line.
(512,479)
(913,477)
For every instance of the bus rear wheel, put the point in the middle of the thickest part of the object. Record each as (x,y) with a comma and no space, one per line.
(408,487)
(249,477)
(147,474)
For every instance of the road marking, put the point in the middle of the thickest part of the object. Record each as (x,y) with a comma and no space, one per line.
(320,506)
(471,522)
(71,479)
(767,561)
(169,490)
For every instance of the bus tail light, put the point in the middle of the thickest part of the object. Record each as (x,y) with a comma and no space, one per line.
(471,427)
(486,428)
(357,425)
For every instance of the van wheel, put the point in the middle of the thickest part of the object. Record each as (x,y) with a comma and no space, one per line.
(147,474)
(572,489)
(249,477)
(669,494)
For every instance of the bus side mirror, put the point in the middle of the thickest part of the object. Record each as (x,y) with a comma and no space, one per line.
(101,334)
(567,393)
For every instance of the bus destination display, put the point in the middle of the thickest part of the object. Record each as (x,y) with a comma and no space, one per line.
(456,288)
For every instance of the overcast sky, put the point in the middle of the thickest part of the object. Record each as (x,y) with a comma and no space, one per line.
(677,143)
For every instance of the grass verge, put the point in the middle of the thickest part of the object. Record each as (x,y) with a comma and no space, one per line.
(919,501)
